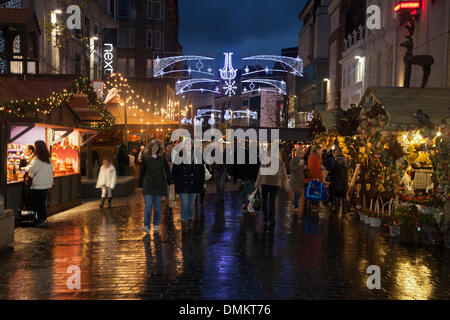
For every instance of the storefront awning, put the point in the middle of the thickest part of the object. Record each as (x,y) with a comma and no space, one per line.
(402,104)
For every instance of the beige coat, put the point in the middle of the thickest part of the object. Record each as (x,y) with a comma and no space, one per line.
(297,176)
(280,179)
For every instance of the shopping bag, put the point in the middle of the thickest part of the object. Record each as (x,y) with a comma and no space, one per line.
(208,174)
(314,190)
(254,201)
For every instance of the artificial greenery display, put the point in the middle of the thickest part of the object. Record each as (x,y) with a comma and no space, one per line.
(35,108)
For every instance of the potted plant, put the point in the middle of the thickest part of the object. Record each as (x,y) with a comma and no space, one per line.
(369,215)
(408,221)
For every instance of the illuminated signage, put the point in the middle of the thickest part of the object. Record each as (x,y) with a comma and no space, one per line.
(407,6)
(108,58)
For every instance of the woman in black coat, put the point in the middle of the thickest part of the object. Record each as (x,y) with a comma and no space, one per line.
(189,180)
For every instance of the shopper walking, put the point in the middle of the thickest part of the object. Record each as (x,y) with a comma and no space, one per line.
(248,175)
(189,180)
(220,174)
(315,164)
(41,171)
(122,160)
(270,186)
(106,181)
(153,180)
(297,179)
(339,179)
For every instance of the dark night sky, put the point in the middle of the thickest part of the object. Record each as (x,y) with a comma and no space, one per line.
(245,27)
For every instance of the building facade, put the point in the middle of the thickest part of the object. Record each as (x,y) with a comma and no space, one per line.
(375,58)
(147,29)
(57,52)
(313,50)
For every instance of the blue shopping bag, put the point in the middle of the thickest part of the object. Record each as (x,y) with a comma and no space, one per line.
(316,191)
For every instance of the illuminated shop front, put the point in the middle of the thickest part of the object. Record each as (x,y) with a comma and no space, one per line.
(64,144)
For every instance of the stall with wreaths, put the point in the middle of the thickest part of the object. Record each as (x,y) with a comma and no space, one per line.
(397,141)
(60,110)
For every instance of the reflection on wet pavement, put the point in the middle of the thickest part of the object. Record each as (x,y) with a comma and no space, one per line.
(228,256)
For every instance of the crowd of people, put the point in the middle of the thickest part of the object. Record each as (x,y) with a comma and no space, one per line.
(160,178)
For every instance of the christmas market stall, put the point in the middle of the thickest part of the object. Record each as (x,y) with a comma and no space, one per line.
(62,111)
(398,143)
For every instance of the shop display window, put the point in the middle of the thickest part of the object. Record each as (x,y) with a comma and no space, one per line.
(65,154)
(15,150)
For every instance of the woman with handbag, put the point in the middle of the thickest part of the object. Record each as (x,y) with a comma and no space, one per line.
(270,186)
(153,181)
(41,171)
(297,178)
(189,180)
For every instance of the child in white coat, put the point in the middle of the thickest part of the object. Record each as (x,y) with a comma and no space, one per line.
(106,181)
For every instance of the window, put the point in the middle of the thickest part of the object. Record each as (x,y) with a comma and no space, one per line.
(122,66)
(123,10)
(157,40)
(157,10)
(149,9)
(132,39)
(149,39)
(126,9)
(149,68)
(131,67)
(122,38)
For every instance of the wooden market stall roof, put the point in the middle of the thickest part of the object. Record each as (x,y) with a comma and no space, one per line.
(15,88)
(402,104)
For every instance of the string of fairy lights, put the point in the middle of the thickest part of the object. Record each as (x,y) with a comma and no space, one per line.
(140,107)
(43,107)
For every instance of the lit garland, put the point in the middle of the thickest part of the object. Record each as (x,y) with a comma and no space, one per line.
(137,105)
(34,108)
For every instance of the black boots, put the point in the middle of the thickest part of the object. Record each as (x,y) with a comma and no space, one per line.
(102,202)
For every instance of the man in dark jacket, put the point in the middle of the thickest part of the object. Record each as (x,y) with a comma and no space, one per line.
(220,173)
(122,160)
(189,180)
(338,167)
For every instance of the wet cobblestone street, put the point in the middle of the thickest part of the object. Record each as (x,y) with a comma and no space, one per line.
(228,256)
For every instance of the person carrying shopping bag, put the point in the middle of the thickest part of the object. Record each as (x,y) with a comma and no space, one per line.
(270,186)
(189,180)
(154,178)
(107,179)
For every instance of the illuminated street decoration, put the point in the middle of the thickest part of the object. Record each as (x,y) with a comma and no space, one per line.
(295,65)
(245,114)
(208,113)
(159,65)
(228,73)
(280,86)
(183,86)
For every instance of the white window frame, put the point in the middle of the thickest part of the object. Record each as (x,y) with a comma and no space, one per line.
(153,40)
(118,11)
(150,5)
(160,11)
(131,38)
(118,38)
(149,31)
